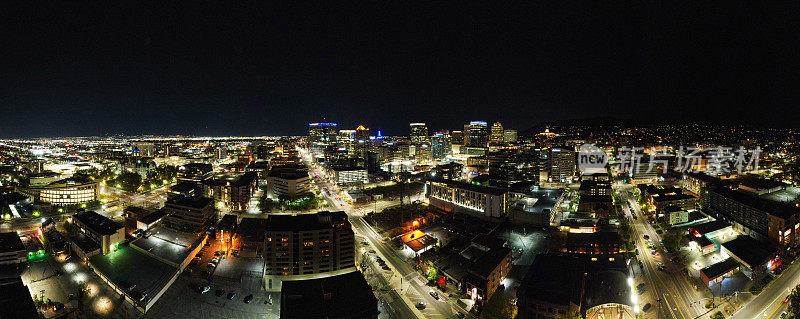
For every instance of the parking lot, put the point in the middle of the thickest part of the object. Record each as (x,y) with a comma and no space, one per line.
(241,276)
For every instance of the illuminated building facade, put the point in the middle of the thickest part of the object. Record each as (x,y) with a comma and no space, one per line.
(100,229)
(232,190)
(189,214)
(440,146)
(288,183)
(451,195)
(73,190)
(307,246)
(350,175)
(322,135)
(510,136)
(562,164)
(419,133)
(497,135)
(476,134)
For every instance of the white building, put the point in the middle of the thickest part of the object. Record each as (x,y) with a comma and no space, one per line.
(350,175)
(464,197)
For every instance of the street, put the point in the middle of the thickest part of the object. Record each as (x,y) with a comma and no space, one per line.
(417,290)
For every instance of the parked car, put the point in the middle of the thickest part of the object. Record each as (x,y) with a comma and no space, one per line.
(646,237)
(248,298)
(646,307)
(205,289)
(421,305)
(434,294)
(219,292)
(231,295)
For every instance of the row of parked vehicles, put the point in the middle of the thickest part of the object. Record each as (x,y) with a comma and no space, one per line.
(232,295)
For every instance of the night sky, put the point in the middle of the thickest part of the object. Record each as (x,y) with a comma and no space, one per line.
(157,68)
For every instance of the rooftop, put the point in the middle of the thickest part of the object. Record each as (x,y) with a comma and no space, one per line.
(135,271)
(710,227)
(320,220)
(10,242)
(194,202)
(323,298)
(252,229)
(228,222)
(556,279)
(775,208)
(288,173)
(759,184)
(671,197)
(749,250)
(720,268)
(153,217)
(98,223)
(16,300)
(241,179)
(607,287)
(167,244)
(473,187)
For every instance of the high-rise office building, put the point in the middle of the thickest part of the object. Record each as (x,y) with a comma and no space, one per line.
(510,136)
(478,134)
(440,146)
(322,135)
(346,140)
(419,133)
(362,142)
(465,133)
(498,135)
(562,164)
(457,137)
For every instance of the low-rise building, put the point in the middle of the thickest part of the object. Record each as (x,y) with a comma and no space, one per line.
(754,257)
(12,251)
(189,214)
(343,296)
(469,198)
(100,229)
(594,243)
(476,267)
(232,190)
(69,191)
(552,288)
(288,183)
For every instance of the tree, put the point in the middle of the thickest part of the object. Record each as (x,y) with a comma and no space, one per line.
(499,306)
(624,228)
(70,228)
(718,315)
(794,303)
(265,204)
(672,241)
(129,181)
(432,274)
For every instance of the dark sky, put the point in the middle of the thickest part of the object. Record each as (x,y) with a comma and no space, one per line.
(159,68)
